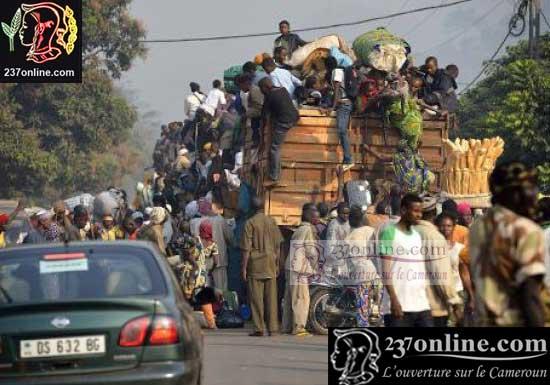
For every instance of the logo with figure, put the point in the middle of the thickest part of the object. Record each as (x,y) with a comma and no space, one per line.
(46,30)
(355,354)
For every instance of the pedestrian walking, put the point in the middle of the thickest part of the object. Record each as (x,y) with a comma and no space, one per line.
(507,252)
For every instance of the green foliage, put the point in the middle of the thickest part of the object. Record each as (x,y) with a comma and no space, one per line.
(513,101)
(60,139)
(110,35)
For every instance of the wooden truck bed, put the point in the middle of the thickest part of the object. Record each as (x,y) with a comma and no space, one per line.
(312,152)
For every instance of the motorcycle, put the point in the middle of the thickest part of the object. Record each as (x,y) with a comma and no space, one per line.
(335,305)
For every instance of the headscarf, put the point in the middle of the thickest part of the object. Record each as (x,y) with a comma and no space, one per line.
(464,208)
(158,215)
(428,203)
(192,209)
(4,219)
(205,231)
(205,207)
(44,215)
(259,58)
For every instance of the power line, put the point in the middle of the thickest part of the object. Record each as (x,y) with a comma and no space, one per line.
(545,19)
(421,23)
(487,64)
(400,9)
(318,28)
(465,30)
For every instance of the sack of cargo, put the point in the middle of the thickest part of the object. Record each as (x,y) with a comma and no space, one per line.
(315,63)
(358,193)
(382,50)
(300,55)
(229,76)
(342,59)
(110,202)
(86,200)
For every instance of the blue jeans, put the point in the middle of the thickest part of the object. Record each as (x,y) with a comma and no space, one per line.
(421,319)
(343,115)
(277,139)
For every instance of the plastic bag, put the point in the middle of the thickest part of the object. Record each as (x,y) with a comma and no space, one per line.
(342,59)
(228,319)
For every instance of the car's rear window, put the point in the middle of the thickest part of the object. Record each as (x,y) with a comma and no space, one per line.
(53,277)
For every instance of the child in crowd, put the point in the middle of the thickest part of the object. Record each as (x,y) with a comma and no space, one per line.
(210,250)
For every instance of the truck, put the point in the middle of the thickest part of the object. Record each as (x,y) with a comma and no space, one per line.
(311,153)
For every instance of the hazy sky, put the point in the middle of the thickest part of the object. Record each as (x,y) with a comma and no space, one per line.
(465,35)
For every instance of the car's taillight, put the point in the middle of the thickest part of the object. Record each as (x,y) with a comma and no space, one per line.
(134,332)
(164,332)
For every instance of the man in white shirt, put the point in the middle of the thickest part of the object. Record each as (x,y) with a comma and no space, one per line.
(281,77)
(214,100)
(193,101)
(405,302)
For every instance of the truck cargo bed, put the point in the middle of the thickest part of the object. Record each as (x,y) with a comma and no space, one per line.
(312,152)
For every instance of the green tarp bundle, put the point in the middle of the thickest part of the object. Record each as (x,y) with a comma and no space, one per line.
(370,47)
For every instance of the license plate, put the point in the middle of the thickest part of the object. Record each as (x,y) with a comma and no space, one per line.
(67,346)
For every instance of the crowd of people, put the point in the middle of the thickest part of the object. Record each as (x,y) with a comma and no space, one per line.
(200,212)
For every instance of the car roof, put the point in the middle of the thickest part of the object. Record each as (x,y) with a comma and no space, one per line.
(80,246)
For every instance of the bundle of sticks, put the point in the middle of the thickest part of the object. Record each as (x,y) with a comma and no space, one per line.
(468,164)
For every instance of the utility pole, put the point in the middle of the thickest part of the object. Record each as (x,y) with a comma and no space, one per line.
(537,9)
(534,27)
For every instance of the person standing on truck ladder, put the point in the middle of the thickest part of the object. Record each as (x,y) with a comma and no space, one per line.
(343,106)
(279,107)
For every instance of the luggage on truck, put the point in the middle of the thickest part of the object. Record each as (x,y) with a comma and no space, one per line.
(229,76)
(382,49)
(342,59)
(327,42)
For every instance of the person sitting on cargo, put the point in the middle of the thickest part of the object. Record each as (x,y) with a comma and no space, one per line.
(251,69)
(279,108)
(343,106)
(444,90)
(288,40)
(432,73)
(281,77)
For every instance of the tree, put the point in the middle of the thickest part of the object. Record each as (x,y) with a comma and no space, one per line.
(111,36)
(513,102)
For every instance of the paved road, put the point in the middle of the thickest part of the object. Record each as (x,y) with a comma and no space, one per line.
(232,357)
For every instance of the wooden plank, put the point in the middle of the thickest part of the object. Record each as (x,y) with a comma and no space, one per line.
(312,152)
